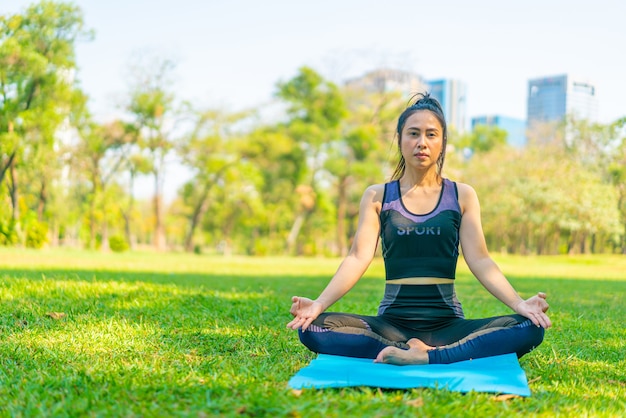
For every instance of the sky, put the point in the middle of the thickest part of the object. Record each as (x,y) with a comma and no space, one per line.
(232,53)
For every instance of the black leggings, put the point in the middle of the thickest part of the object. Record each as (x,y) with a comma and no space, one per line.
(456,340)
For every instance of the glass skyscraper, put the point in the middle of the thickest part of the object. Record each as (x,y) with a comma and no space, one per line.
(515,128)
(551,99)
(451,94)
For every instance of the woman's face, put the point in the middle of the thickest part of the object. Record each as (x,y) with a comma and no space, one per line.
(421,141)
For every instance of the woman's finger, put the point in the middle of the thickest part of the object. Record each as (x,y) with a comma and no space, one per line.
(294,309)
(295,305)
(295,323)
(546,322)
(306,324)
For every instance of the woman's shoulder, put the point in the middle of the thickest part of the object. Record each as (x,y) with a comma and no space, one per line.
(464,188)
(374,195)
(466,193)
(375,190)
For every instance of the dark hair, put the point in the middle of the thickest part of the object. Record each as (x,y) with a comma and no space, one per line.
(424,102)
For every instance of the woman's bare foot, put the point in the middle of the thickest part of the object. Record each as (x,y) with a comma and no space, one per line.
(419,344)
(416,354)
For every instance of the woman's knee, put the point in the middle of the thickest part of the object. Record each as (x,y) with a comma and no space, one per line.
(310,340)
(537,334)
(532,339)
(336,321)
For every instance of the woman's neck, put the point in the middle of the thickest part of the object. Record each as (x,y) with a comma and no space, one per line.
(418,179)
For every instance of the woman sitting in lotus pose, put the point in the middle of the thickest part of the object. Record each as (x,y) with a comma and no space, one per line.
(422,219)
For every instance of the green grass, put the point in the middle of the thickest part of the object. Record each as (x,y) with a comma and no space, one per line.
(184,335)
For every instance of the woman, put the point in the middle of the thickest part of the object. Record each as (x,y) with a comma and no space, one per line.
(422,218)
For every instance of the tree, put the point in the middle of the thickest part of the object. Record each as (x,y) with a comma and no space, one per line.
(541,200)
(37,62)
(136,164)
(483,138)
(601,148)
(151,104)
(357,158)
(210,152)
(102,151)
(282,165)
(617,173)
(236,211)
(315,111)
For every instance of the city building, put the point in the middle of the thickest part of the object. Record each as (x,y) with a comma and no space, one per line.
(452,96)
(551,99)
(515,128)
(386,80)
(450,93)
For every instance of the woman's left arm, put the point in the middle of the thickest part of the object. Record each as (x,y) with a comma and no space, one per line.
(485,269)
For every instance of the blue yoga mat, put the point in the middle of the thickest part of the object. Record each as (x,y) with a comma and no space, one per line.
(498,374)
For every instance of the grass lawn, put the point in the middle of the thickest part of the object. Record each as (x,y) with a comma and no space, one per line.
(147,335)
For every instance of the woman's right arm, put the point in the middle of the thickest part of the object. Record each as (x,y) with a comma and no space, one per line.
(352,267)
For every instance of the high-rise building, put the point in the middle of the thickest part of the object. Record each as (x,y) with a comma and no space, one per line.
(385,80)
(551,99)
(451,94)
(515,128)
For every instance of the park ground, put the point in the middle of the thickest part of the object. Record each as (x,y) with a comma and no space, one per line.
(143,334)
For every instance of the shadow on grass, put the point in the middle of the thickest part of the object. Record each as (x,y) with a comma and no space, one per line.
(205,339)
(242,301)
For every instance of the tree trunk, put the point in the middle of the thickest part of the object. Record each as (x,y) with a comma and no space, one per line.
(15,213)
(342,205)
(592,244)
(583,242)
(292,238)
(620,204)
(14,194)
(624,240)
(571,242)
(11,157)
(196,218)
(227,232)
(92,223)
(53,234)
(127,231)
(159,229)
(104,244)
(43,199)
(6,166)
(126,214)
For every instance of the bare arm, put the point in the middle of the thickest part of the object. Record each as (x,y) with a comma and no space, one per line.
(352,267)
(486,270)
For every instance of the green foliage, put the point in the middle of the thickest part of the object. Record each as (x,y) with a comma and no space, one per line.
(38,91)
(363,140)
(316,110)
(36,60)
(313,100)
(36,234)
(118,244)
(483,138)
(8,234)
(189,335)
(261,186)
(537,198)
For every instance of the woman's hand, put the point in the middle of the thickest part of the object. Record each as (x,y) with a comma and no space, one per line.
(304,311)
(535,309)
